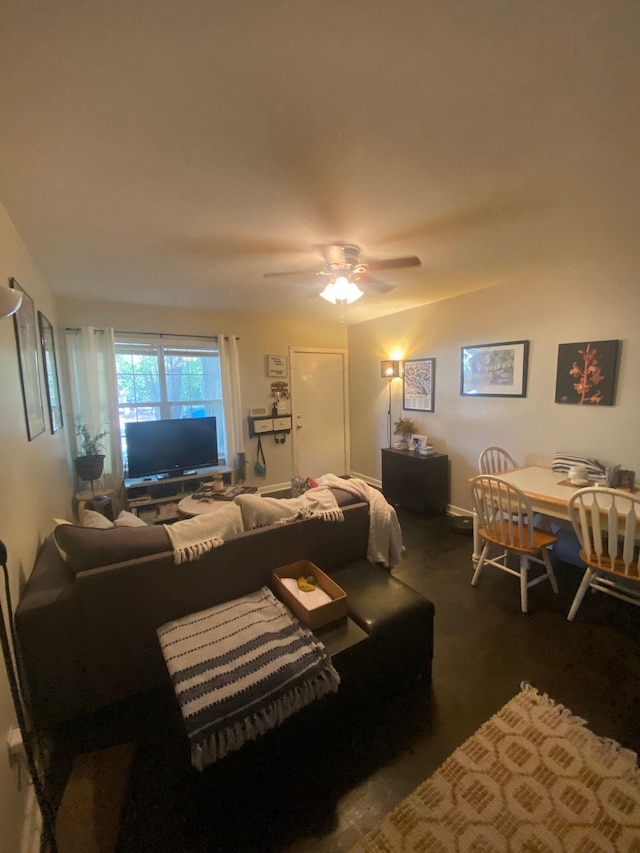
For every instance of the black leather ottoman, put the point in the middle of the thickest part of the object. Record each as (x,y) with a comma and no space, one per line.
(396,618)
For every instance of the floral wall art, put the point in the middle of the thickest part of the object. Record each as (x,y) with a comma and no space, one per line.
(586,373)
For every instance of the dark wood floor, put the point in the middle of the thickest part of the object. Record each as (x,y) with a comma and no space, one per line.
(323,782)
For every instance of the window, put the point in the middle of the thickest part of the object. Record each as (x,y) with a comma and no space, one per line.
(160,378)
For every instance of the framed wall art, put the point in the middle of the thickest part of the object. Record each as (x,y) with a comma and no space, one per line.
(51,372)
(494,370)
(418,385)
(24,323)
(587,372)
(277,365)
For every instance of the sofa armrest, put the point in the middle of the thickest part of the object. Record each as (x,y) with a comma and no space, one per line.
(51,640)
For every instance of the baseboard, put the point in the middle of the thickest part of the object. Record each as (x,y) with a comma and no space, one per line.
(370,480)
(458,510)
(274,487)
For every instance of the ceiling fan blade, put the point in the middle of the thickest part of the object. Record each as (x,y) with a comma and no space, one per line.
(393,263)
(371,283)
(293,272)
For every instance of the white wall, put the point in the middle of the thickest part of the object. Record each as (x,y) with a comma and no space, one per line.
(599,300)
(35,487)
(259,336)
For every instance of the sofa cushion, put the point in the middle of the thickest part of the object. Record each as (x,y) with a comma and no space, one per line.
(90,547)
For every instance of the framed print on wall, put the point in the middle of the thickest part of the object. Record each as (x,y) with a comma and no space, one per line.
(277,365)
(494,370)
(51,372)
(24,323)
(418,385)
(586,373)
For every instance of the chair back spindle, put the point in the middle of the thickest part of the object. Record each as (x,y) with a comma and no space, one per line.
(606,524)
(494,460)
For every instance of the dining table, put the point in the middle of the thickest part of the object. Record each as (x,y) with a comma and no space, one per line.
(549,492)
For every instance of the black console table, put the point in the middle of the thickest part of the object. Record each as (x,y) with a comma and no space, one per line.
(415,481)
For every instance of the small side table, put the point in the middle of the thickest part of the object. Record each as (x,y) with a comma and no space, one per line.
(83,501)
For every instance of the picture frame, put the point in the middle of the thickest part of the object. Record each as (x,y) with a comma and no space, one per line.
(277,365)
(494,370)
(418,442)
(52,384)
(24,324)
(586,373)
(418,385)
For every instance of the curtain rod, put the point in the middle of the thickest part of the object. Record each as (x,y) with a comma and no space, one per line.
(156,334)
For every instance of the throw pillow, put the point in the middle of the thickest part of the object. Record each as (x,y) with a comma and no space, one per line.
(562,462)
(301,484)
(129,519)
(91,518)
(89,548)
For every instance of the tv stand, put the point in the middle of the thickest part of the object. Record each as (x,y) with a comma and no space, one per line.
(155,499)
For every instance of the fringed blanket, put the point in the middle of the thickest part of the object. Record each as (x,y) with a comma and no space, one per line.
(240,669)
(259,511)
(385,536)
(193,537)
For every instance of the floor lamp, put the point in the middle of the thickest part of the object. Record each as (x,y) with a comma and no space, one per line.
(48,816)
(389,370)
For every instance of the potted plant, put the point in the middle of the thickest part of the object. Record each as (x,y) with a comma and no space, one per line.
(404,427)
(90,462)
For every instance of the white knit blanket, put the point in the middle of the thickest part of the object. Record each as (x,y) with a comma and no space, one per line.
(260,511)
(193,537)
(385,536)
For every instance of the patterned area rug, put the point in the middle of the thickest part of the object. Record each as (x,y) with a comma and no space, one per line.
(532,778)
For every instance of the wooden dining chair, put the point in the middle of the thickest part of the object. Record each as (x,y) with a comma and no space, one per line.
(493,460)
(505,519)
(606,524)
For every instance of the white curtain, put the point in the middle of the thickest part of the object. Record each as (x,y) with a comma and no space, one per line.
(231,397)
(94,393)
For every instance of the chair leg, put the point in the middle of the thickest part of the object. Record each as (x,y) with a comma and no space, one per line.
(584,586)
(550,572)
(524,567)
(479,565)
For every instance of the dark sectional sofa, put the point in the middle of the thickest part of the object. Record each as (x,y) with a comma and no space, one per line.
(86,625)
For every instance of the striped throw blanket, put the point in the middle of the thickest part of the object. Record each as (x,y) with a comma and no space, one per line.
(239,669)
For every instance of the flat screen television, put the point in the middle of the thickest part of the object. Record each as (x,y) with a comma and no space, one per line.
(172,447)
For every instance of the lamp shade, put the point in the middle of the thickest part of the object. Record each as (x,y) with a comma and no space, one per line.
(10,300)
(389,369)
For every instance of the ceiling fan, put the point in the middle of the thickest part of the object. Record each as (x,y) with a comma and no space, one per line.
(343,270)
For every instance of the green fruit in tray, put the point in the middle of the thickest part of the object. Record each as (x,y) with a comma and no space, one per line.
(312,580)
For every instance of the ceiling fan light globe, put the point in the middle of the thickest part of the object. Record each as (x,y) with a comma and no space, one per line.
(329,293)
(354,293)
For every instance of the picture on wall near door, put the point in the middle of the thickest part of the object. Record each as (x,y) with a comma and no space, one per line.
(51,372)
(24,321)
(587,372)
(418,385)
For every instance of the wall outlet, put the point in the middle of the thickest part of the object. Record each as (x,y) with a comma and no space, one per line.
(15,745)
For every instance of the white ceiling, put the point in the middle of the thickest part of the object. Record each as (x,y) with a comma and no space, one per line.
(170,153)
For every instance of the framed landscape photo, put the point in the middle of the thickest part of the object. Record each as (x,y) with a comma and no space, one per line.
(24,323)
(418,385)
(586,373)
(51,372)
(494,370)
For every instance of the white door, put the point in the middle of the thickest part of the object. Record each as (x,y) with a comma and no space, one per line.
(318,407)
